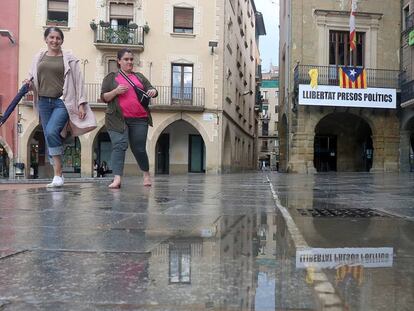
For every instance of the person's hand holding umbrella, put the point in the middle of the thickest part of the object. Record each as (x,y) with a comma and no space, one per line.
(23,90)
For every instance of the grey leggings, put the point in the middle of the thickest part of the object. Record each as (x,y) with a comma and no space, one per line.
(136,132)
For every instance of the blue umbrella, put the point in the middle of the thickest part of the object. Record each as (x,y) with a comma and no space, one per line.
(23,90)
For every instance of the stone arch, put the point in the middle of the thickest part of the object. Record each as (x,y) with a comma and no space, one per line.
(155,134)
(7,147)
(342,142)
(314,121)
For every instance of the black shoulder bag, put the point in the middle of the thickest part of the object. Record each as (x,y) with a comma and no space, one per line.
(141,94)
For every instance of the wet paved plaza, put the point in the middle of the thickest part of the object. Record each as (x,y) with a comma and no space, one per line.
(227,242)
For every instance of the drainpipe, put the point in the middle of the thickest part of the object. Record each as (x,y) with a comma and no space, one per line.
(150,71)
(287,94)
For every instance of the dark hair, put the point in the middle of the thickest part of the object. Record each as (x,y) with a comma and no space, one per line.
(121,53)
(53,28)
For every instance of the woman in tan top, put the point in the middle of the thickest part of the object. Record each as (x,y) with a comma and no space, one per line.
(58,89)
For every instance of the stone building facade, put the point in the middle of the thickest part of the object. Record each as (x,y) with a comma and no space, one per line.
(407,88)
(332,134)
(268,123)
(200,55)
(9,50)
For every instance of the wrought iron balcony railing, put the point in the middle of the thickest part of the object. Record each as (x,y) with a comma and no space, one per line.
(119,35)
(179,96)
(409,22)
(265,116)
(328,75)
(407,92)
(167,96)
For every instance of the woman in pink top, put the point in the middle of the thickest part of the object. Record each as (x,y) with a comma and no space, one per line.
(126,119)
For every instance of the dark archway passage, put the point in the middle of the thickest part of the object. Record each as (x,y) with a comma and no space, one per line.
(343,143)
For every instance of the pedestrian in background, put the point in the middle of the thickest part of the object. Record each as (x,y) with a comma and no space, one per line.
(59,97)
(103,169)
(126,118)
(95,168)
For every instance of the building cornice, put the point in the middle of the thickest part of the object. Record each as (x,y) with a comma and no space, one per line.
(320,12)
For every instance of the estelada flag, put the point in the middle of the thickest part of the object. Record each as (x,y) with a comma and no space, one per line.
(352,77)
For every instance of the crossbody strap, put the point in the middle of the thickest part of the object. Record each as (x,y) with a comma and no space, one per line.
(130,82)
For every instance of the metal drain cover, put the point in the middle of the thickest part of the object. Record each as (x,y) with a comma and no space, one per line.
(341,212)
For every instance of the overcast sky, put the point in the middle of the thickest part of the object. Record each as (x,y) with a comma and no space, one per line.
(269,44)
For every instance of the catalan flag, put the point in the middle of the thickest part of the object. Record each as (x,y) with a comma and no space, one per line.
(352,78)
(352,31)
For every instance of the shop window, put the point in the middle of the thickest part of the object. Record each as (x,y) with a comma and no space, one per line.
(72,155)
(183,20)
(57,12)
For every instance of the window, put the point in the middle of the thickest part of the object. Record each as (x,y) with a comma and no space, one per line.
(112,66)
(339,48)
(265,129)
(407,19)
(57,12)
(121,14)
(183,20)
(182,84)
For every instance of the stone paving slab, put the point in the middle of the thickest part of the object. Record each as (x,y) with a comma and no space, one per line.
(196,242)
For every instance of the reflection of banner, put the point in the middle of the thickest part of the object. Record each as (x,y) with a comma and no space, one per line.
(334,257)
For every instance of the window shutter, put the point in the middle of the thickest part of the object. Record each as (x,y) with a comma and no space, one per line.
(183,17)
(57,6)
(122,11)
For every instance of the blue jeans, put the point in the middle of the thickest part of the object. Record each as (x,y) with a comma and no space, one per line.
(53,116)
(136,134)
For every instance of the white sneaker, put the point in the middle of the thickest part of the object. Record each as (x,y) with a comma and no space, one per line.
(57,181)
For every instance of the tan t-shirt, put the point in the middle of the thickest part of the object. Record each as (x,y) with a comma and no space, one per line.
(51,76)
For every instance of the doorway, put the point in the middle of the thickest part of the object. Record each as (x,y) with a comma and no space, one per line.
(4,162)
(343,143)
(163,154)
(325,153)
(196,154)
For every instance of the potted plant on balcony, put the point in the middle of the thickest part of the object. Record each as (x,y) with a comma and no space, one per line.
(132,26)
(146,28)
(55,22)
(104,24)
(93,25)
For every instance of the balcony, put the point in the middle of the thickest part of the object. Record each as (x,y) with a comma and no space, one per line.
(177,98)
(407,94)
(265,116)
(116,37)
(328,75)
(169,98)
(409,23)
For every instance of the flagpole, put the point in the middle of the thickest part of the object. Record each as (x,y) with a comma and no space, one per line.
(352,30)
